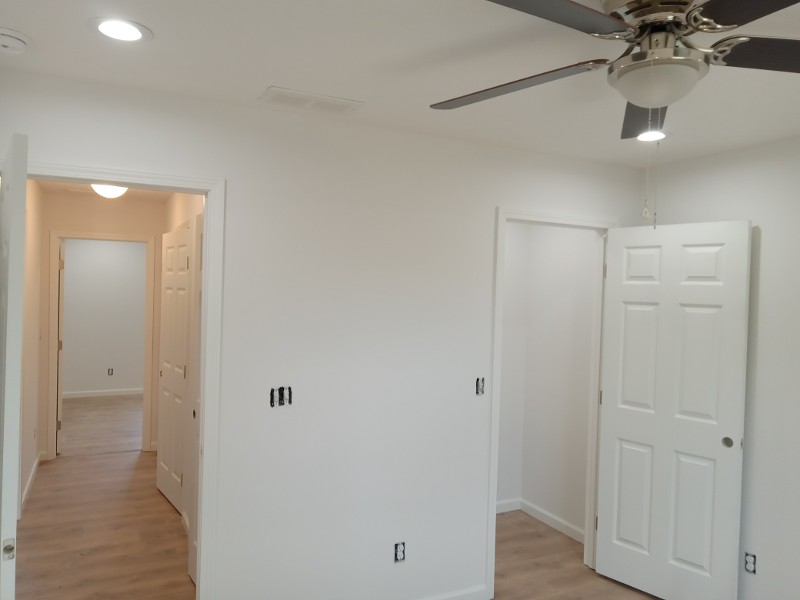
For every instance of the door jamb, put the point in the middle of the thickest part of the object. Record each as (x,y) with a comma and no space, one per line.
(505,215)
(210,339)
(52,351)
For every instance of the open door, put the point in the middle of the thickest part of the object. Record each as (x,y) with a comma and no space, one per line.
(174,386)
(672,416)
(192,438)
(12,273)
(60,351)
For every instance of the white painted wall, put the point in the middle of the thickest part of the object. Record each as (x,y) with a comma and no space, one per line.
(31,391)
(358,269)
(761,185)
(182,207)
(551,294)
(104,317)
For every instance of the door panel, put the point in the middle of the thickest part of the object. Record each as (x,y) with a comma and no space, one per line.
(60,352)
(192,438)
(173,359)
(673,379)
(12,266)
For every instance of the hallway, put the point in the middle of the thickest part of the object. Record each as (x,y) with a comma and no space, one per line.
(96,527)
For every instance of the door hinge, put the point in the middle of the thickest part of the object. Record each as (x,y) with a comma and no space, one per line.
(181,479)
(58,425)
(595,523)
(60,344)
(184,371)
(61,264)
(187,263)
(601,397)
(605,271)
(9,548)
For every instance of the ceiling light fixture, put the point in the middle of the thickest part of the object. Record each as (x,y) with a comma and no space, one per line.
(109,191)
(651,136)
(121,29)
(661,74)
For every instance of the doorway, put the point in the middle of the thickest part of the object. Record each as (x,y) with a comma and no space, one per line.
(211,313)
(548,314)
(102,315)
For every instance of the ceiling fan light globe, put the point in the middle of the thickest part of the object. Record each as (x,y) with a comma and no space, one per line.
(658,78)
(657,85)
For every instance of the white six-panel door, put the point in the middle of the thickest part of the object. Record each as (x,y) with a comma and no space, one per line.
(12,273)
(672,417)
(192,438)
(173,361)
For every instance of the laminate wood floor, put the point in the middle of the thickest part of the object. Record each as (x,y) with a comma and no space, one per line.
(536,562)
(95,527)
(99,425)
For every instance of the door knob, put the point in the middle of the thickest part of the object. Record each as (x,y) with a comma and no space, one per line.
(727,442)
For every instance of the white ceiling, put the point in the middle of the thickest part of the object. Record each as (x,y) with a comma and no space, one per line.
(400,56)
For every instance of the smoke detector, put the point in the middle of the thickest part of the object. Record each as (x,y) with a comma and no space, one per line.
(13,42)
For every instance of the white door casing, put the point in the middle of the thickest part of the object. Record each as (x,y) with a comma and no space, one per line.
(672,420)
(12,273)
(173,361)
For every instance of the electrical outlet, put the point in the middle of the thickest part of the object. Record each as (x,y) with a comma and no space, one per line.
(111,371)
(399,552)
(750,563)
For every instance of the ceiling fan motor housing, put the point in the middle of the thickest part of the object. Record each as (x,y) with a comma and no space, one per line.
(637,12)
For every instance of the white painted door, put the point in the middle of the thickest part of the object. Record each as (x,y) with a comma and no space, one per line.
(12,273)
(672,418)
(60,351)
(173,359)
(192,438)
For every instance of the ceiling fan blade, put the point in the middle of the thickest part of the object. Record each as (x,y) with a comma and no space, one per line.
(521,84)
(570,14)
(768,53)
(741,12)
(638,120)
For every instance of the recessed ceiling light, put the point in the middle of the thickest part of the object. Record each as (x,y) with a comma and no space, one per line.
(109,191)
(121,29)
(651,136)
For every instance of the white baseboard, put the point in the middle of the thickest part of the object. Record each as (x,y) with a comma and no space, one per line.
(99,393)
(504,506)
(477,592)
(557,523)
(29,483)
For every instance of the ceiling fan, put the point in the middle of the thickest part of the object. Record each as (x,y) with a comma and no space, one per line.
(661,64)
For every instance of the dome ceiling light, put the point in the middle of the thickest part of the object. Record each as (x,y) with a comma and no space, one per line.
(109,191)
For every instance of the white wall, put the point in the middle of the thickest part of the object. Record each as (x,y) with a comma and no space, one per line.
(552,287)
(31,364)
(104,317)
(358,269)
(761,185)
(182,207)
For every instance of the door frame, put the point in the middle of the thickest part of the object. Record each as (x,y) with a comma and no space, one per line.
(504,216)
(52,351)
(210,337)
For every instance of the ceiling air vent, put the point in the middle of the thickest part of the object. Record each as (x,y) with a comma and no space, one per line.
(13,42)
(286,98)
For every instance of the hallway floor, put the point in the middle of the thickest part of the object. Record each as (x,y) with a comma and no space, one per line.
(101,424)
(96,527)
